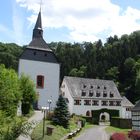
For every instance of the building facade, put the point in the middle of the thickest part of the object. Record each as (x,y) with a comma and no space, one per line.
(136,117)
(85,95)
(40,63)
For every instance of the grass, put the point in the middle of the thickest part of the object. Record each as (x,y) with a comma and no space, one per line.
(58,131)
(111,129)
(87,126)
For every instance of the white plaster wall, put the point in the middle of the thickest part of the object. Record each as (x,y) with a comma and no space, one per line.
(82,109)
(126,114)
(64,88)
(50,71)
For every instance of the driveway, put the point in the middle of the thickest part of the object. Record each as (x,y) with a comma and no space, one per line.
(94,133)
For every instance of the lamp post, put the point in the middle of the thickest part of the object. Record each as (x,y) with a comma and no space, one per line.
(49,102)
(44,110)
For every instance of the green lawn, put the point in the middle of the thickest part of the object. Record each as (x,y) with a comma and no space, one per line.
(111,129)
(58,131)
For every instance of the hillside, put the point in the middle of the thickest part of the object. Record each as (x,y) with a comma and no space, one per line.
(118,59)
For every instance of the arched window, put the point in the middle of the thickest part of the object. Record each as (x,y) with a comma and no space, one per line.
(88,113)
(40,81)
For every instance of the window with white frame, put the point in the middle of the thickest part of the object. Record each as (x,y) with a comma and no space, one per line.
(87,102)
(95,102)
(77,102)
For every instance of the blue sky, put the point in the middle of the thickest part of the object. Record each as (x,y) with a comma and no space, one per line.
(68,20)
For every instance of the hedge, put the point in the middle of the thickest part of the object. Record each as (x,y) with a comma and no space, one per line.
(96,114)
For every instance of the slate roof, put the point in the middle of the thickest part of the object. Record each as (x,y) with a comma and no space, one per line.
(37,39)
(39,44)
(39,55)
(136,107)
(76,85)
(126,102)
(38,24)
(38,50)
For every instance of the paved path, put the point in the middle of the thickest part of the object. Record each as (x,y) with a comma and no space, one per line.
(37,117)
(94,133)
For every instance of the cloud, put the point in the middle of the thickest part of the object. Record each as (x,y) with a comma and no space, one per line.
(18,25)
(85,19)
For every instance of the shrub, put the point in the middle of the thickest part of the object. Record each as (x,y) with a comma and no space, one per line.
(118,136)
(83,121)
(135,135)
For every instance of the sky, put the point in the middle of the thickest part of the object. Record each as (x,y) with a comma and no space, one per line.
(68,20)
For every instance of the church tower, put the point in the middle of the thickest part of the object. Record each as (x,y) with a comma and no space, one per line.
(40,63)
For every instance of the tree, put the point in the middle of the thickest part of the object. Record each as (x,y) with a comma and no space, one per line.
(9,91)
(73,72)
(9,55)
(78,73)
(112,74)
(61,113)
(137,86)
(28,93)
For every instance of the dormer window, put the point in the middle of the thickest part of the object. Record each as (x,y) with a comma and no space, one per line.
(105,87)
(104,94)
(98,94)
(90,93)
(40,81)
(83,93)
(84,86)
(111,95)
(98,87)
(91,86)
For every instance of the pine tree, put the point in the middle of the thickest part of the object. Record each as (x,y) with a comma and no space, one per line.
(61,113)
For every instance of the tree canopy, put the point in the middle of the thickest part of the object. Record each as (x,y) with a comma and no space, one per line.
(9,91)
(118,59)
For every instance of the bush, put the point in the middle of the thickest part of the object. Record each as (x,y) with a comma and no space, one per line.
(121,122)
(118,136)
(134,135)
(83,122)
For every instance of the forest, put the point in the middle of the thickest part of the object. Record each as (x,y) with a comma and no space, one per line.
(118,59)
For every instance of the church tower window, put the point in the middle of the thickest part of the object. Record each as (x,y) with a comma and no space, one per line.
(40,81)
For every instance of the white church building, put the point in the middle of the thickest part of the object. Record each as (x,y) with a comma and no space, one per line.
(85,95)
(40,63)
